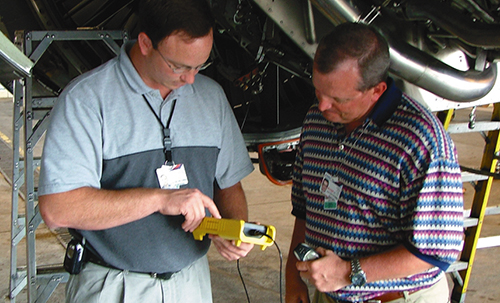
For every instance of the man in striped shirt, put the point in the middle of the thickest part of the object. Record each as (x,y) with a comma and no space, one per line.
(389,223)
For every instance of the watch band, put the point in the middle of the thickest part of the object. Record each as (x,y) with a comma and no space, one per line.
(358,276)
(355,266)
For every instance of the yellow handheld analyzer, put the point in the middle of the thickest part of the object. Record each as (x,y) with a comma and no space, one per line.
(237,230)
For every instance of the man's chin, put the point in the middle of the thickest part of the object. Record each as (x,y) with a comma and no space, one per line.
(177,85)
(332,117)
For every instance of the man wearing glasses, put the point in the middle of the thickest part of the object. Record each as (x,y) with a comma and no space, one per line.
(138,152)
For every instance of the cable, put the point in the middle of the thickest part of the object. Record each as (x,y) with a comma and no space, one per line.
(256,232)
(281,268)
(242,281)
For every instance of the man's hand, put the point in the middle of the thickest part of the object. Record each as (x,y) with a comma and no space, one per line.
(190,203)
(233,205)
(229,250)
(328,273)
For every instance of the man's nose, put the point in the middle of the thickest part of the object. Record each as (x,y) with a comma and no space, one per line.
(323,104)
(188,77)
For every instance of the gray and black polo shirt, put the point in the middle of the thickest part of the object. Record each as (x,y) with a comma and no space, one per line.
(104,134)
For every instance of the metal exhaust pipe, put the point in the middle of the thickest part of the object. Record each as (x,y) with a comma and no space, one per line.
(412,64)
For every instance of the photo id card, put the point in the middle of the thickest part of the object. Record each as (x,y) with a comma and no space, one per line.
(172,176)
(331,189)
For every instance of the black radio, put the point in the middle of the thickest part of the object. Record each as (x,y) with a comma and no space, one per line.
(73,259)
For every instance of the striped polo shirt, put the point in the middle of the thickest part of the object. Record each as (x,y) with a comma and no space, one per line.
(401,184)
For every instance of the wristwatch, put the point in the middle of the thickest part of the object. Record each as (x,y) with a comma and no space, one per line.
(358,276)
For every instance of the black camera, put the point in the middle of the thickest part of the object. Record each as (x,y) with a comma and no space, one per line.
(304,252)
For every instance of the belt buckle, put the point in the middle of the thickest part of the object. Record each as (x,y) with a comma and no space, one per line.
(162,276)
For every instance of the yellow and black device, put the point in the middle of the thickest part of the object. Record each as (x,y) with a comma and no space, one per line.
(238,230)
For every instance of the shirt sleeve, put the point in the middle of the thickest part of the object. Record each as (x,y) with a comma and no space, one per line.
(72,155)
(433,218)
(233,163)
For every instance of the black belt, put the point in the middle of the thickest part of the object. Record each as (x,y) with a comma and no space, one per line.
(89,256)
(387,297)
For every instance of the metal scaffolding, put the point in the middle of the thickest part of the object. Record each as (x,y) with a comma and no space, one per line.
(32,114)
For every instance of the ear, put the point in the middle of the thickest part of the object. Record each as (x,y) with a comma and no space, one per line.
(378,90)
(145,44)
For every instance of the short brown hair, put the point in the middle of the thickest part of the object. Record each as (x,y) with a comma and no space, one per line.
(161,18)
(357,41)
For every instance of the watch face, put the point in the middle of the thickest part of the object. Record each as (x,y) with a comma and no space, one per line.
(358,279)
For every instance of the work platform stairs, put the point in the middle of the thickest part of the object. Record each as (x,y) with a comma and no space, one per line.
(482,180)
(31,114)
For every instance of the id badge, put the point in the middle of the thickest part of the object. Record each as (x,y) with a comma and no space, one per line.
(331,189)
(172,176)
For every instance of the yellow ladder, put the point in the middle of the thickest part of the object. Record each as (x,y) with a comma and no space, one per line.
(482,179)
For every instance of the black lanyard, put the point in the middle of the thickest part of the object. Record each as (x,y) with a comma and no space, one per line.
(167,141)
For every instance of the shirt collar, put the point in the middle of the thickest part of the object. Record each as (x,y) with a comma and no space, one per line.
(387,103)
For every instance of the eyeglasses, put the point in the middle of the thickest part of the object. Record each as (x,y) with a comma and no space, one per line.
(184,69)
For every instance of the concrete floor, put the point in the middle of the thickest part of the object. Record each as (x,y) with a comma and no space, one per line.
(268,204)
